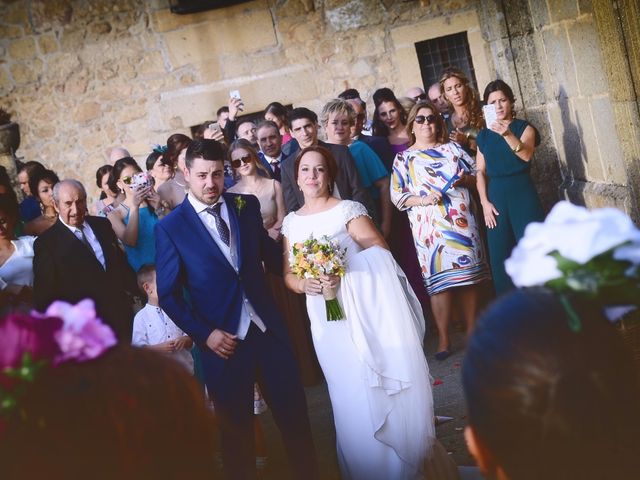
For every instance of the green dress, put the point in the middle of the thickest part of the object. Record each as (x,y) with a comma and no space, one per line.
(512,193)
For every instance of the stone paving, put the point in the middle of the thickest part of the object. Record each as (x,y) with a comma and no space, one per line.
(448,401)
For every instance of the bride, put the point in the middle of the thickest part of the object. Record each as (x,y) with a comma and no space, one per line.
(373,361)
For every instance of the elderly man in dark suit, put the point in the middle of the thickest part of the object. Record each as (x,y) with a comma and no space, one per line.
(79,257)
(304,128)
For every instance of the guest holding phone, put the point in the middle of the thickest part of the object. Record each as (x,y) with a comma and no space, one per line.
(430,181)
(135,218)
(507,194)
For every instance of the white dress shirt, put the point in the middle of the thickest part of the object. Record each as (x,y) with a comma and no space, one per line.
(152,326)
(271,160)
(91,238)
(247,314)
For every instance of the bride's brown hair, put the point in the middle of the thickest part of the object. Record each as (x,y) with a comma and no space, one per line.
(332,166)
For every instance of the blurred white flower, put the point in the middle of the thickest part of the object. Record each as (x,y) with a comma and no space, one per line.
(577,234)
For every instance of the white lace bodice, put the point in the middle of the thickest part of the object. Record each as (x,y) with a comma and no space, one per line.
(332,223)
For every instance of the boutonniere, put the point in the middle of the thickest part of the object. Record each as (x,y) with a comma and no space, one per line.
(240,203)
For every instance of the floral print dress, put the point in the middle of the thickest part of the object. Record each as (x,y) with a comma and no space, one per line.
(447,240)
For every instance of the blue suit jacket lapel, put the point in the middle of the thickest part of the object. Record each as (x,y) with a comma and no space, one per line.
(265,164)
(192,218)
(235,224)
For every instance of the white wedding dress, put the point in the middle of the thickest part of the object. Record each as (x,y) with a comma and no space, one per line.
(373,361)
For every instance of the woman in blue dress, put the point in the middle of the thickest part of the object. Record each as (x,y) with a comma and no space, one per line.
(134,219)
(507,194)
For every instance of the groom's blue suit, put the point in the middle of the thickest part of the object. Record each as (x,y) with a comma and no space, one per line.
(202,291)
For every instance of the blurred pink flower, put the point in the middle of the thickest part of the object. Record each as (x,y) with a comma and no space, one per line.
(83,336)
(20,333)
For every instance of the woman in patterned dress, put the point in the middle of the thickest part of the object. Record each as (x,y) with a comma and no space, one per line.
(430,181)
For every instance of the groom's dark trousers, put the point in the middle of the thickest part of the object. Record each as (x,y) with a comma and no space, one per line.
(201,291)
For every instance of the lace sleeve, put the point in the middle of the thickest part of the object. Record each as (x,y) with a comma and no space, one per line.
(351,210)
(285,224)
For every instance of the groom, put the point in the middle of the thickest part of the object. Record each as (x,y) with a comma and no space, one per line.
(211,282)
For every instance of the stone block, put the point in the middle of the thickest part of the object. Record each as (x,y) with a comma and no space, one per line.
(560,62)
(10,31)
(77,84)
(587,136)
(585,6)
(6,84)
(562,10)
(70,39)
(628,130)
(152,64)
(587,57)
(567,141)
(367,44)
(93,140)
(86,111)
(293,8)
(613,43)
(539,13)
(351,14)
(266,62)
(208,72)
(300,33)
(234,65)
(61,66)
(26,72)
(518,18)
(48,14)
(129,111)
(23,48)
(15,13)
(243,34)
(492,20)
(47,43)
(529,74)
(608,143)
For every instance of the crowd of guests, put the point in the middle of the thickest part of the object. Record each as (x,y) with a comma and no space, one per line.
(448,195)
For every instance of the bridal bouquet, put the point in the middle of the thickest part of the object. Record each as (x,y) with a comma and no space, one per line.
(594,254)
(312,258)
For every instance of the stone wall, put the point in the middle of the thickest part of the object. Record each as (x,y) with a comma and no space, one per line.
(82,76)
(554,52)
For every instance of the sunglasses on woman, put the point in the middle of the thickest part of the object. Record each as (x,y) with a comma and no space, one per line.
(239,161)
(420,119)
(127,180)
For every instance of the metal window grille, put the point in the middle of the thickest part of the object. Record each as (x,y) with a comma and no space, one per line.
(439,53)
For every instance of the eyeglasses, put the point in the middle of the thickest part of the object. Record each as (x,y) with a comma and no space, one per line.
(239,161)
(422,96)
(420,119)
(127,180)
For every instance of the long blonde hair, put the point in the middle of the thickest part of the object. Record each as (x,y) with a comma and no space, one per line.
(471,96)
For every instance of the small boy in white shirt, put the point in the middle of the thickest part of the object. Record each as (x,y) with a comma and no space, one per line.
(152,327)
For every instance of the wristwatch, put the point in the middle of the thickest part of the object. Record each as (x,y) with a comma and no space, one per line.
(518,147)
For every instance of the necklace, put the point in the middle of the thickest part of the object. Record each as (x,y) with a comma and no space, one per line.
(460,120)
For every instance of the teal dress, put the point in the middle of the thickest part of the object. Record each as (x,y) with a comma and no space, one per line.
(512,193)
(145,250)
